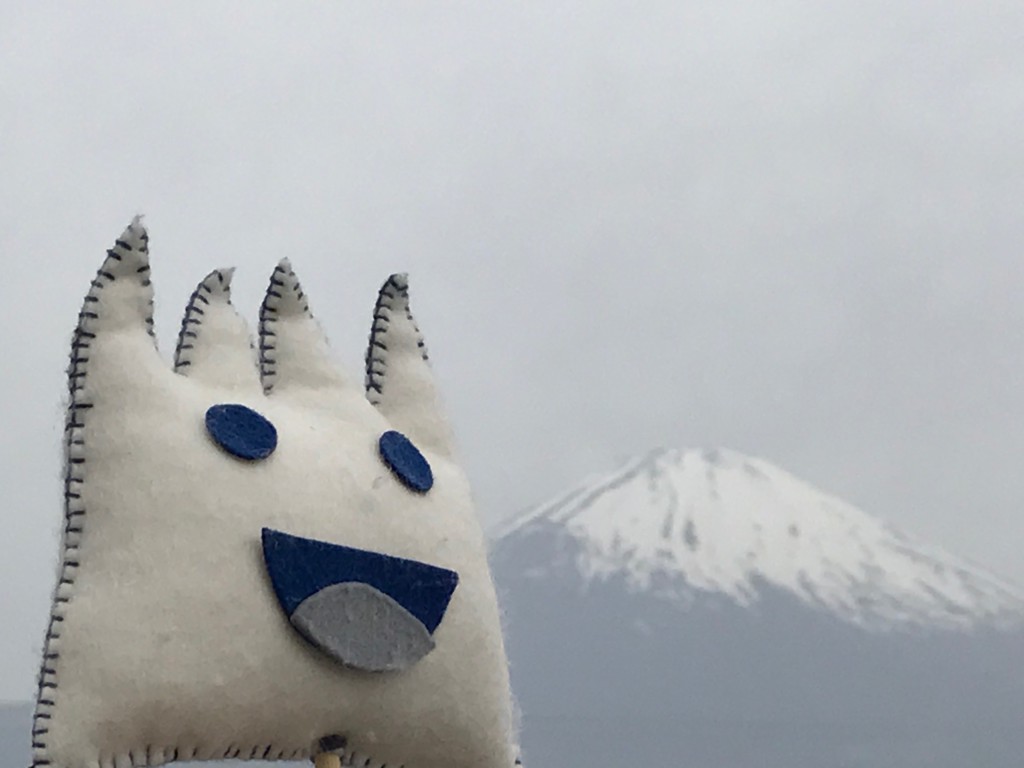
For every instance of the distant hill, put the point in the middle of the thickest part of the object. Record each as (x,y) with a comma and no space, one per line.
(704,608)
(15,725)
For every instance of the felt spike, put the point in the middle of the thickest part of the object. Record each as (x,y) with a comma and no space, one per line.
(121,294)
(214,345)
(399,381)
(293,349)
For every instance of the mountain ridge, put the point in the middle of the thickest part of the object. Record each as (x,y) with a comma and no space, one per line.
(686,524)
(668,614)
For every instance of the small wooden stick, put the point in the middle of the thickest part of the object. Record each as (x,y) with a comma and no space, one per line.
(327,760)
(332,747)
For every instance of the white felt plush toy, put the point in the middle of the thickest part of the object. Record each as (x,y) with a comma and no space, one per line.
(258,560)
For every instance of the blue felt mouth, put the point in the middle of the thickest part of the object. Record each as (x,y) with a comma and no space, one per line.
(300,568)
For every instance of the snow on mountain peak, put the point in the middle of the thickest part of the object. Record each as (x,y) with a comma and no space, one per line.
(677,523)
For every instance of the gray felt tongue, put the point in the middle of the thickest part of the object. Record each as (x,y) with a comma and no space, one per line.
(362,627)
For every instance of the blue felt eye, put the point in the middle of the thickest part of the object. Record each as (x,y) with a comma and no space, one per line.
(404,459)
(241,431)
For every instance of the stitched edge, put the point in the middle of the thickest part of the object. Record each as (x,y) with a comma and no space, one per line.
(218,281)
(268,337)
(281,280)
(74,479)
(395,288)
(362,760)
(154,756)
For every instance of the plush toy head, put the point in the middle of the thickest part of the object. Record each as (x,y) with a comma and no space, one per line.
(258,560)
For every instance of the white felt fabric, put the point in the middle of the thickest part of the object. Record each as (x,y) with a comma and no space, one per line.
(167,641)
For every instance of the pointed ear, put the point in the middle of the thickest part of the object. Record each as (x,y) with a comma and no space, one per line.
(121,296)
(214,345)
(399,381)
(294,354)
(118,309)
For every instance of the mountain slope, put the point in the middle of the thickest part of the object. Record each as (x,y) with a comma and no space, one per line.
(676,524)
(706,609)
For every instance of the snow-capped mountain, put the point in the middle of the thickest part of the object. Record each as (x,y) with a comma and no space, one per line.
(677,524)
(702,608)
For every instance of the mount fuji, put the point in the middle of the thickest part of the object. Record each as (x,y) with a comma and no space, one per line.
(704,608)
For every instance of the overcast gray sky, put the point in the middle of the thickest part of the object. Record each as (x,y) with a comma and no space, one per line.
(789,228)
